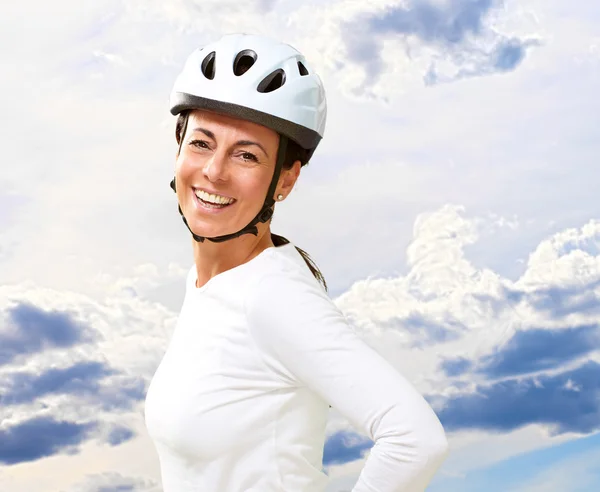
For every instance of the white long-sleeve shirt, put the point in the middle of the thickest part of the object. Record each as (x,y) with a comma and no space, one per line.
(240,400)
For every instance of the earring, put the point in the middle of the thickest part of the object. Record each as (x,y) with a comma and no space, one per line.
(280,197)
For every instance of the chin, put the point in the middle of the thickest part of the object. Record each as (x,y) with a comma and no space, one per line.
(203,229)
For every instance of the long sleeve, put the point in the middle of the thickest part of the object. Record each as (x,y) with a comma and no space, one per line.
(307,341)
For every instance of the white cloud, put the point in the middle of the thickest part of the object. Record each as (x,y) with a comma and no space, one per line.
(116,481)
(441,284)
(130,335)
(90,150)
(408,56)
(569,257)
(103,138)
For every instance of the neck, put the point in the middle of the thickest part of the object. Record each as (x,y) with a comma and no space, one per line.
(211,258)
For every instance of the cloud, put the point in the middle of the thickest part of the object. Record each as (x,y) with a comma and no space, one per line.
(115,482)
(425,331)
(438,41)
(566,402)
(505,56)
(561,300)
(75,393)
(538,349)
(118,324)
(78,380)
(102,81)
(442,292)
(77,389)
(119,435)
(447,23)
(491,354)
(29,329)
(81,381)
(202,17)
(123,394)
(530,350)
(41,437)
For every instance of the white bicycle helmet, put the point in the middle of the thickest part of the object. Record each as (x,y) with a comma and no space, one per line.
(257,79)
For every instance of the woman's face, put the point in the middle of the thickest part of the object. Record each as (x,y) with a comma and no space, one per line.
(231,158)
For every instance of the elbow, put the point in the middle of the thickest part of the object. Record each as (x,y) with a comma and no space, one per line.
(435,447)
(431,439)
(425,450)
(427,445)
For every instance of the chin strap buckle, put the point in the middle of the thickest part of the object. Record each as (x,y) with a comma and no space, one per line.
(266,215)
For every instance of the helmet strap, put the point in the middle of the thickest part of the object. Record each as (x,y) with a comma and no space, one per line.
(265,213)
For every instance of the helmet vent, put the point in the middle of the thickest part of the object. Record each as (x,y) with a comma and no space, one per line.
(208,66)
(243,61)
(303,70)
(272,82)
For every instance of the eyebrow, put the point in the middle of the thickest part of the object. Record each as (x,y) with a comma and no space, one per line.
(211,135)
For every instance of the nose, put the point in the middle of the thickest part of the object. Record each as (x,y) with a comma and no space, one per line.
(215,167)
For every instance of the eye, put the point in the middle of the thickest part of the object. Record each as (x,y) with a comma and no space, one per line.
(249,156)
(202,144)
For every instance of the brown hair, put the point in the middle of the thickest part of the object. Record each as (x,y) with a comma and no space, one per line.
(294,152)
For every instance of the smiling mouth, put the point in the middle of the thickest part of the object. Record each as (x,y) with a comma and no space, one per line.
(213,201)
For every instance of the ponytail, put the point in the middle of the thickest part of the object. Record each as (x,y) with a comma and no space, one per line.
(280,241)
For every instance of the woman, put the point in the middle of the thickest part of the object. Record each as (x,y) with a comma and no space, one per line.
(240,400)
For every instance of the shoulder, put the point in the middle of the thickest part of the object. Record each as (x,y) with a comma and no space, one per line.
(287,266)
(289,304)
(288,284)
(286,291)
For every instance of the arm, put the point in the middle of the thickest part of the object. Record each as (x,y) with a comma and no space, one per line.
(306,339)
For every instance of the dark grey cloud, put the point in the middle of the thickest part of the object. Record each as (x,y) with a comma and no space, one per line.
(554,301)
(531,350)
(41,437)
(425,331)
(568,402)
(80,379)
(29,329)
(436,24)
(45,436)
(343,447)
(119,435)
(122,394)
(91,384)
(83,380)
(561,301)
(538,349)
(455,29)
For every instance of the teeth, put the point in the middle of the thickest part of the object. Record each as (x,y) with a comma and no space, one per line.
(213,198)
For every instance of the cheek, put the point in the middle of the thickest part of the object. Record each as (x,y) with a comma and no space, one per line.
(255,185)
(184,168)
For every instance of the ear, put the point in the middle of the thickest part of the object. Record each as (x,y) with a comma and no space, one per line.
(288,178)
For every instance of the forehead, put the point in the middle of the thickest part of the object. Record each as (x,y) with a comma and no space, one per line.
(220,124)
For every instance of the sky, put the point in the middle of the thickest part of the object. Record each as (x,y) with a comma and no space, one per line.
(451,207)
